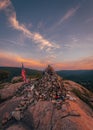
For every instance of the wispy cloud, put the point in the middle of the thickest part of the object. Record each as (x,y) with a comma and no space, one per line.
(42,42)
(77,42)
(68,14)
(4,4)
(3,41)
(50,59)
(89,20)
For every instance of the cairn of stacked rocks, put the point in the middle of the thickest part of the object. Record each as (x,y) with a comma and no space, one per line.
(49,87)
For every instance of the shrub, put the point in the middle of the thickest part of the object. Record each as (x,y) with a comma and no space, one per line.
(84,97)
(4,75)
(17,79)
(1,86)
(36,75)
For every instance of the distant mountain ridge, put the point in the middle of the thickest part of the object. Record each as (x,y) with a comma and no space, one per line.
(76,74)
(16,71)
(83,77)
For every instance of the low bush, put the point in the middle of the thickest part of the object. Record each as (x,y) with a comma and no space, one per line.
(83,96)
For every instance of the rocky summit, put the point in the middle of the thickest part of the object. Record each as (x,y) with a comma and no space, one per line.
(47,103)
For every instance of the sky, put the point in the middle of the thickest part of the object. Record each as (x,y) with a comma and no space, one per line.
(42,32)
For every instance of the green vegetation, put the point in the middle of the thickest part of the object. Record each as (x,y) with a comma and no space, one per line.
(17,79)
(83,96)
(4,75)
(87,93)
(15,71)
(35,75)
(1,86)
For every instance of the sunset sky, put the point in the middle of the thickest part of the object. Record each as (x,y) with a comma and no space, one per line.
(41,32)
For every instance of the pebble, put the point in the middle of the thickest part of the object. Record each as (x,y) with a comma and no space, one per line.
(17,115)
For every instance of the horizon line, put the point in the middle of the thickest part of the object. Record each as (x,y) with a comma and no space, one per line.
(43,68)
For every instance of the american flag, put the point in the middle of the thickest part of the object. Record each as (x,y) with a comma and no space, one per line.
(23,73)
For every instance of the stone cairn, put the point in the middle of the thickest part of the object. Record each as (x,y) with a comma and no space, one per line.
(50,88)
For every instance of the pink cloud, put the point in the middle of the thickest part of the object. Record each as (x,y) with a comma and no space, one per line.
(4,4)
(84,63)
(8,59)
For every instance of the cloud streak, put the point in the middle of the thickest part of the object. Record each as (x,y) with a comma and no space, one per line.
(68,14)
(89,20)
(71,12)
(36,37)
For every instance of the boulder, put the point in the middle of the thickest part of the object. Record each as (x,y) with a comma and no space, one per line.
(16,79)
(9,90)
